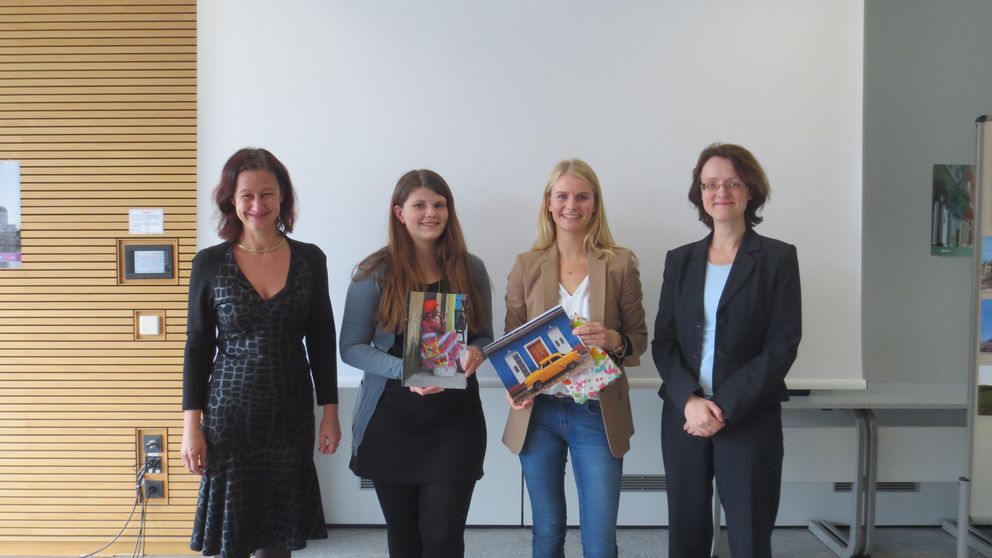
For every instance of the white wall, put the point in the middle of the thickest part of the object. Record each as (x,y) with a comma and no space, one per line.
(491,94)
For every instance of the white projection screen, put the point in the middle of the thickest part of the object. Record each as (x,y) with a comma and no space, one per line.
(352,94)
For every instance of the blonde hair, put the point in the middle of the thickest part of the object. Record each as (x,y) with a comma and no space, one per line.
(598,238)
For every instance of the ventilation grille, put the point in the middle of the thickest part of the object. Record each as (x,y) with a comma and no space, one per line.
(882,487)
(643,483)
(367,484)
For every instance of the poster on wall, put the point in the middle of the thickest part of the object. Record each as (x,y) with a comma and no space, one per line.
(985,339)
(10,214)
(985,268)
(952,220)
(985,390)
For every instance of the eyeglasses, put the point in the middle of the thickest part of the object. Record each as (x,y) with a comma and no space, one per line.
(731,184)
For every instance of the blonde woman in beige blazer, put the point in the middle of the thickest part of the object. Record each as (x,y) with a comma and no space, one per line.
(575,262)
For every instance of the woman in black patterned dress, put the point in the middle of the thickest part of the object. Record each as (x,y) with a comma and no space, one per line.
(248,382)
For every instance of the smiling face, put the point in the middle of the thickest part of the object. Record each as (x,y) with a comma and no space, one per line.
(257,201)
(572,204)
(724,205)
(424,214)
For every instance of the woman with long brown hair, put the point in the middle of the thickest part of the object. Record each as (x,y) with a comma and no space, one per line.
(422,447)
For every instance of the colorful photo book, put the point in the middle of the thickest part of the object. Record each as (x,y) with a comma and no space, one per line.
(436,334)
(545,355)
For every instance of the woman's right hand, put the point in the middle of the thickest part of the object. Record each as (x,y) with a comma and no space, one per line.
(521,406)
(702,417)
(194,449)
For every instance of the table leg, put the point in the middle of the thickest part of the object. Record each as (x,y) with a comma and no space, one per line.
(858,542)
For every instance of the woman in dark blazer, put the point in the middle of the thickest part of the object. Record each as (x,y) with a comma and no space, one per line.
(575,263)
(728,328)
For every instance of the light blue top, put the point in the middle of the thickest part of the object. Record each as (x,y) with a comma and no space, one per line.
(366,347)
(716,279)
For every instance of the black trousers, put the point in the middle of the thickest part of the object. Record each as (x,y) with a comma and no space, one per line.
(746,459)
(425,520)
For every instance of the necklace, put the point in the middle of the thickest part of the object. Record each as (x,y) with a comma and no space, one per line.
(576,268)
(263,250)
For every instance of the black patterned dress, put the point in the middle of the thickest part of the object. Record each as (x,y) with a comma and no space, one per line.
(260,485)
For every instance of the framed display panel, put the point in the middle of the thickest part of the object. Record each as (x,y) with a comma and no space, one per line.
(981,395)
(975,503)
(147,261)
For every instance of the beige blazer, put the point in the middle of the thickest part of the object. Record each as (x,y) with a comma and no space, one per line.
(615,299)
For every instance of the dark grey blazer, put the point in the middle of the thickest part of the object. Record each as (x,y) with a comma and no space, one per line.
(759,325)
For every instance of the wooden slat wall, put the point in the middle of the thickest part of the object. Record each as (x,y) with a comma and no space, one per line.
(98,103)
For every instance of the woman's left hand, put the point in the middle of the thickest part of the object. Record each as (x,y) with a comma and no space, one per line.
(595,333)
(472,358)
(329,434)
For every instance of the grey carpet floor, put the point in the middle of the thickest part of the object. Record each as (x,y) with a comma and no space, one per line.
(634,543)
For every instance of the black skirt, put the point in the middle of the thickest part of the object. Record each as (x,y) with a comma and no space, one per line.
(423,439)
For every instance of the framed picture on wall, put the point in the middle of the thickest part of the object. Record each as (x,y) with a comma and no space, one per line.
(985,267)
(10,214)
(952,220)
(985,390)
(985,327)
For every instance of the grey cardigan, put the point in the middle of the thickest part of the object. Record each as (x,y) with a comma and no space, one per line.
(365,346)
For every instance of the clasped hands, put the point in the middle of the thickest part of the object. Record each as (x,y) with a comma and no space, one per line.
(471,359)
(703,417)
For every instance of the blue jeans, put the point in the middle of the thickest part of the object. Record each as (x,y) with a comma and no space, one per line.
(559,426)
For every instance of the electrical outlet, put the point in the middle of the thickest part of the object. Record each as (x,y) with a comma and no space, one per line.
(152,444)
(153,489)
(150,458)
(153,464)
(152,447)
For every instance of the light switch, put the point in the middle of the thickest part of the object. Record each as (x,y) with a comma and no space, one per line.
(149,325)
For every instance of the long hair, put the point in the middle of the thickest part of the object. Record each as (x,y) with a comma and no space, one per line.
(747,168)
(598,240)
(252,158)
(395,266)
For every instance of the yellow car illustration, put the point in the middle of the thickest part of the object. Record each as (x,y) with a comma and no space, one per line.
(551,367)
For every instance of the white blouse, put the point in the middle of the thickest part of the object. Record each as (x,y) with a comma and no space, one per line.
(575,304)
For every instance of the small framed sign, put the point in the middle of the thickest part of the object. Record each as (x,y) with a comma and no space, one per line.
(147,261)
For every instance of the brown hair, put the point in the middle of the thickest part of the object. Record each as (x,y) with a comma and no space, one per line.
(252,158)
(394,266)
(598,239)
(748,169)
